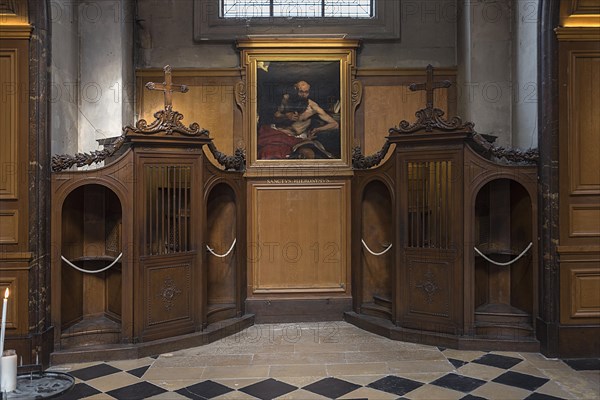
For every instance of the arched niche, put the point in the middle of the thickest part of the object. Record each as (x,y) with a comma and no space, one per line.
(504,294)
(221,232)
(91,241)
(376,232)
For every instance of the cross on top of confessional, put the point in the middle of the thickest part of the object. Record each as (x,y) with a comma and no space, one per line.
(167,87)
(429,86)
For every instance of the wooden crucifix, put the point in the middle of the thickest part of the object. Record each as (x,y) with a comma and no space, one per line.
(167,87)
(429,86)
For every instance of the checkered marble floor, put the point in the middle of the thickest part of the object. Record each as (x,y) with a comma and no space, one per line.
(332,360)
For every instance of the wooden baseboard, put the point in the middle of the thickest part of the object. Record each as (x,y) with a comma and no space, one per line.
(579,341)
(387,329)
(213,332)
(298,310)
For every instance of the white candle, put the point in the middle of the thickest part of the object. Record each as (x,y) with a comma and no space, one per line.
(8,379)
(3,328)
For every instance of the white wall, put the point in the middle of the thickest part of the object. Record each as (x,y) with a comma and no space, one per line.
(497,60)
(91,72)
(428,36)
(524,82)
(484,88)
(64,72)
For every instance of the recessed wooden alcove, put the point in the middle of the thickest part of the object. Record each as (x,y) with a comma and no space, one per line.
(91,239)
(221,211)
(503,293)
(377,233)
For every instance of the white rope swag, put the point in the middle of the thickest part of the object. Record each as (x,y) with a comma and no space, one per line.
(503,263)
(89,271)
(221,255)
(372,252)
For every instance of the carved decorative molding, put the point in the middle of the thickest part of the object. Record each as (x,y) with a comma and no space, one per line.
(356,94)
(360,161)
(503,154)
(167,121)
(429,119)
(240,94)
(8,7)
(60,162)
(429,286)
(168,293)
(14,19)
(237,162)
(578,34)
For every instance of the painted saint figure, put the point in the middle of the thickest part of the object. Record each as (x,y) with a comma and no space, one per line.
(301,129)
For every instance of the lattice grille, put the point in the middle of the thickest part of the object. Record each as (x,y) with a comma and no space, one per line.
(429,204)
(167,208)
(297,8)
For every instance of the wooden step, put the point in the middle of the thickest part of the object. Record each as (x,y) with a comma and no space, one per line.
(506,331)
(502,321)
(91,331)
(382,301)
(376,310)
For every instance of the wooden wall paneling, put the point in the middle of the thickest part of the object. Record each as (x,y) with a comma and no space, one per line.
(387,101)
(579,145)
(584,122)
(9,221)
(579,193)
(15,279)
(584,220)
(579,286)
(298,266)
(15,276)
(299,238)
(577,74)
(15,250)
(14,148)
(9,123)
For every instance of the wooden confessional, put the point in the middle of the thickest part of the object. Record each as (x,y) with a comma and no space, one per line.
(444,236)
(161,249)
(130,270)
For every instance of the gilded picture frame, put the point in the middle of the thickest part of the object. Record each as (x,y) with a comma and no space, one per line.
(299,109)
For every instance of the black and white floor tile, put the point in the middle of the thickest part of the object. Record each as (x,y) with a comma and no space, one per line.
(467,375)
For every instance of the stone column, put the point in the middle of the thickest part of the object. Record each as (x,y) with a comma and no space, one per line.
(484,58)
